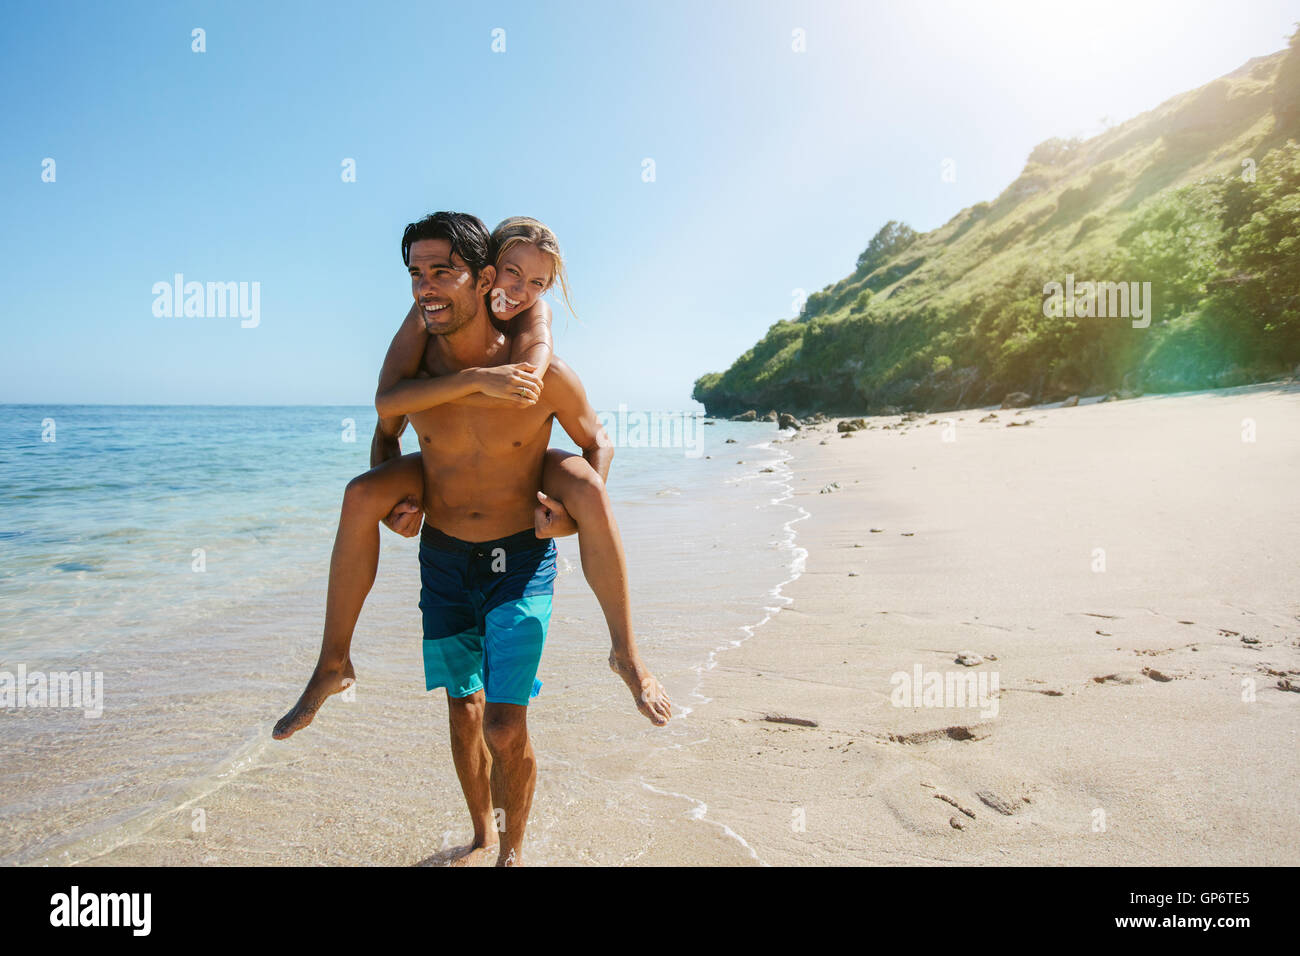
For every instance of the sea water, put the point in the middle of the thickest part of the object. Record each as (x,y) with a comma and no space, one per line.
(181,554)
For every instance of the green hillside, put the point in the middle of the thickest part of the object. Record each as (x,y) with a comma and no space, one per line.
(1200,197)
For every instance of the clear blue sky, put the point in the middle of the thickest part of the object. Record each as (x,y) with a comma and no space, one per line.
(773,168)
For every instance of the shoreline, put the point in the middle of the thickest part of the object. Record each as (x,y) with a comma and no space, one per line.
(777,593)
(1121,734)
(1116,732)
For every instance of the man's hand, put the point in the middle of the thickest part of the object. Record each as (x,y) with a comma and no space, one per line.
(405,517)
(551,520)
(517,383)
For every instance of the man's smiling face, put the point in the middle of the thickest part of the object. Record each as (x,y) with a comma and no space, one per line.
(447,295)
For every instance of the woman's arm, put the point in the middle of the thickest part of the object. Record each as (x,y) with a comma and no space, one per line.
(532,343)
(402,391)
(499,386)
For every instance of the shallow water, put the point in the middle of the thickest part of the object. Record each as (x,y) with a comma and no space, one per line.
(181,553)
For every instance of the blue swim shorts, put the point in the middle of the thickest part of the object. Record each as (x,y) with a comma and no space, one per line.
(486,607)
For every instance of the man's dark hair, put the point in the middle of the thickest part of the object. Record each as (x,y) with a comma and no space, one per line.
(468,236)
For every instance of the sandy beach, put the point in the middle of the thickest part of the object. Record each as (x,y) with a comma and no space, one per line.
(1142,715)
(1120,579)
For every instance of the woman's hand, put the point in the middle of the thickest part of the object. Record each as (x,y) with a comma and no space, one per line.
(516,383)
(551,520)
(406,517)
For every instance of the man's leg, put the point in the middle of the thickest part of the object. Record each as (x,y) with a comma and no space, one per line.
(366,502)
(474,767)
(570,479)
(514,774)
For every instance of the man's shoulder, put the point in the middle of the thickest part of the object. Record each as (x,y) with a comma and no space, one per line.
(561,373)
(562,387)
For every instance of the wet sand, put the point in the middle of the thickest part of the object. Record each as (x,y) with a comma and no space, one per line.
(1129,572)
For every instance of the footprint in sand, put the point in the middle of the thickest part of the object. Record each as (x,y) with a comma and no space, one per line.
(1130,678)
(783,719)
(957,732)
(1003,805)
(1159,675)
(951,802)
(1046,692)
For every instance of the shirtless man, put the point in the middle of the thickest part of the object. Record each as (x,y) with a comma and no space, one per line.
(486,578)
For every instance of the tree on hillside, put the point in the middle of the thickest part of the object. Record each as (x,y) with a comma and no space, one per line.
(892,239)
(1267,251)
(1055,151)
(1174,242)
(1286,91)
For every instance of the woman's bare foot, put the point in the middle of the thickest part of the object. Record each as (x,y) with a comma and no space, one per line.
(650,696)
(323,683)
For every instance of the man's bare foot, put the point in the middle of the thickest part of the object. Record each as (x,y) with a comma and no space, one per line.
(510,858)
(651,698)
(475,856)
(323,683)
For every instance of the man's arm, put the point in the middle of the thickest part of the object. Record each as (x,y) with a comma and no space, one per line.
(578,419)
(387,441)
(404,355)
(402,361)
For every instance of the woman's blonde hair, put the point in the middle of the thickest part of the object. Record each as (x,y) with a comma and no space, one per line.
(510,232)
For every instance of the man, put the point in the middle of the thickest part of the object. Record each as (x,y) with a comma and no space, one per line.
(486,577)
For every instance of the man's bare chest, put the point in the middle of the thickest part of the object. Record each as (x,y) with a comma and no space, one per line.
(465,429)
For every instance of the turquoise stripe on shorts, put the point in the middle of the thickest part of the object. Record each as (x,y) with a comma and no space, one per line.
(503,661)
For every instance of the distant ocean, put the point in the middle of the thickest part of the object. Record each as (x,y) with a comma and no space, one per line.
(182,553)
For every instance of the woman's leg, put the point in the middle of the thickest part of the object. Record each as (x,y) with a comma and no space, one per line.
(574,483)
(366,502)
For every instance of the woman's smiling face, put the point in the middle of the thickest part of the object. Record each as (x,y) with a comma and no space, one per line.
(524,272)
